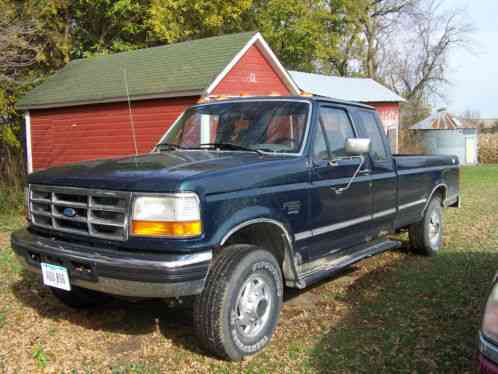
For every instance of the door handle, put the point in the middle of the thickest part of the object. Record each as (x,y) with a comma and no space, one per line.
(364,172)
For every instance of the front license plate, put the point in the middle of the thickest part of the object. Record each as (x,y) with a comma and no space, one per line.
(55,276)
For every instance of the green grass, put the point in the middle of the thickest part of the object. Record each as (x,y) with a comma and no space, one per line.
(12,203)
(422,314)
(40,356)
(9,263)
(3,318)
(135,369)
(393,313)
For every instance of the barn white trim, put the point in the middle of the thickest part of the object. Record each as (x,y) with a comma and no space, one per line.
(258,40)
(29,151)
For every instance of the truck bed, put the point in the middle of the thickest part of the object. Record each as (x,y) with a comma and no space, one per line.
(405,161)
(419,176)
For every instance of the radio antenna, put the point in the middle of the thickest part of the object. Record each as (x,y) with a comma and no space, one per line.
(130,112)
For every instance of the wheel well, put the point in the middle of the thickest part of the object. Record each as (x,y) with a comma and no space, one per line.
(265,235)
(441,192)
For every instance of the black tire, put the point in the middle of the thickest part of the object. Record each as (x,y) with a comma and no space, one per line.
(220,310)
(425,238)
(80,298)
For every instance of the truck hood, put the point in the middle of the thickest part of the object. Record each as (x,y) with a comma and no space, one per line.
(157,172)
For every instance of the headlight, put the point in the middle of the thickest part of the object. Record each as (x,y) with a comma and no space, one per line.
(176,216)
(490,318)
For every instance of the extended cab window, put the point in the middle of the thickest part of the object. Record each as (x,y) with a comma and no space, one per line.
(371,130)
(334,129)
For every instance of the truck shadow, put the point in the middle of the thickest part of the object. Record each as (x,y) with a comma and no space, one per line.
(139,319)
(349,272)
(414,315)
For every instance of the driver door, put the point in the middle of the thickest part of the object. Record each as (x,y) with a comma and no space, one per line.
(338,220)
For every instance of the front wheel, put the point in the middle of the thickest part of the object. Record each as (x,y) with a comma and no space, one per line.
(426,236)
(237,312)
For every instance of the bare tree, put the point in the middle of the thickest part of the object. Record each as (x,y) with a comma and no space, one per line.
(415,60)
(383,18)
(16,50)
(417,66)
(369,26)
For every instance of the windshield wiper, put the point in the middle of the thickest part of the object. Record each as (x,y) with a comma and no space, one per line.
(231,146)
(168,146)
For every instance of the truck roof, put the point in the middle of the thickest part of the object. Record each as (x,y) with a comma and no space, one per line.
(302,98)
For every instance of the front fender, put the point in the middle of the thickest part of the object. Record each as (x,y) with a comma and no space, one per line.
(245,216)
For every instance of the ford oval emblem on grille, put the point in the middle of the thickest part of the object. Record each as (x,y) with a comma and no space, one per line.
(69,212)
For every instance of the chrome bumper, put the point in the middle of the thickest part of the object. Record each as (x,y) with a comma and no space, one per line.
(114,272)
(488,349)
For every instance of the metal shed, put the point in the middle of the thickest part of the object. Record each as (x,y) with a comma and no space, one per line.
(441,133)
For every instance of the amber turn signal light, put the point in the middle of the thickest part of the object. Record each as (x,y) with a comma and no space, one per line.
(171,229)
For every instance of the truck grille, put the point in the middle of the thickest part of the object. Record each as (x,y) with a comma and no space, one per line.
(96,213)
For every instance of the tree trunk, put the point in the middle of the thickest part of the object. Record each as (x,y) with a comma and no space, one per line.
(371,54)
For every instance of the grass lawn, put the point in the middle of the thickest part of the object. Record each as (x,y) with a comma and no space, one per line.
(394,313)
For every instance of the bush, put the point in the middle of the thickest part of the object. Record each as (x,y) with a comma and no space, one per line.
(12,170)
(11,199)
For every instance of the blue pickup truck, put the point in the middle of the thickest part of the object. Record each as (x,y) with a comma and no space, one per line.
(240,198)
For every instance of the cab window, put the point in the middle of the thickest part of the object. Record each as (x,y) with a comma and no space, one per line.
(371,130)
(333,130)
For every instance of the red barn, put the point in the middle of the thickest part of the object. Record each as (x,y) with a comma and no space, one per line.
(83,111)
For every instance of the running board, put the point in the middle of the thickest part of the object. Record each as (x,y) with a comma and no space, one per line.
(333,264)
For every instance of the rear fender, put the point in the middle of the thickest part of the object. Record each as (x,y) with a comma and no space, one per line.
(443,187)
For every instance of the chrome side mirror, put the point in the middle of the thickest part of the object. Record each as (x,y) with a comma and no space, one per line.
(357,146)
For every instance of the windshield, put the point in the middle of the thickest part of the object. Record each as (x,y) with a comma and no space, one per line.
(271,126)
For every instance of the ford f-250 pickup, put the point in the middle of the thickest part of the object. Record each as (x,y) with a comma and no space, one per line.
(239,198)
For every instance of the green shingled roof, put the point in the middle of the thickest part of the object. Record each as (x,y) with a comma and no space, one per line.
(187,67)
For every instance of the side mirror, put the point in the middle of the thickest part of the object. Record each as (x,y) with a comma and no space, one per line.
(357,146)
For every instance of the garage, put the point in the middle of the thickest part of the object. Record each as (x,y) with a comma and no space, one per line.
(82,112)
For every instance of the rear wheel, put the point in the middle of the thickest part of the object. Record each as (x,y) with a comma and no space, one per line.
(426,236)
(237,312)
(80,298)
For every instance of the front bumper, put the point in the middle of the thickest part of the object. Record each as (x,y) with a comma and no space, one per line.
(116,272)
(488,357)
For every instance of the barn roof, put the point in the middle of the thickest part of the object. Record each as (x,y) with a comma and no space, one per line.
(364,90)
(183,69)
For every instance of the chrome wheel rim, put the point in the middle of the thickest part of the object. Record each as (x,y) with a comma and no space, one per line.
(253,306)
(434,228)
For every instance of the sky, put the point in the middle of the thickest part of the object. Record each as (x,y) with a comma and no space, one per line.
(474,74)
